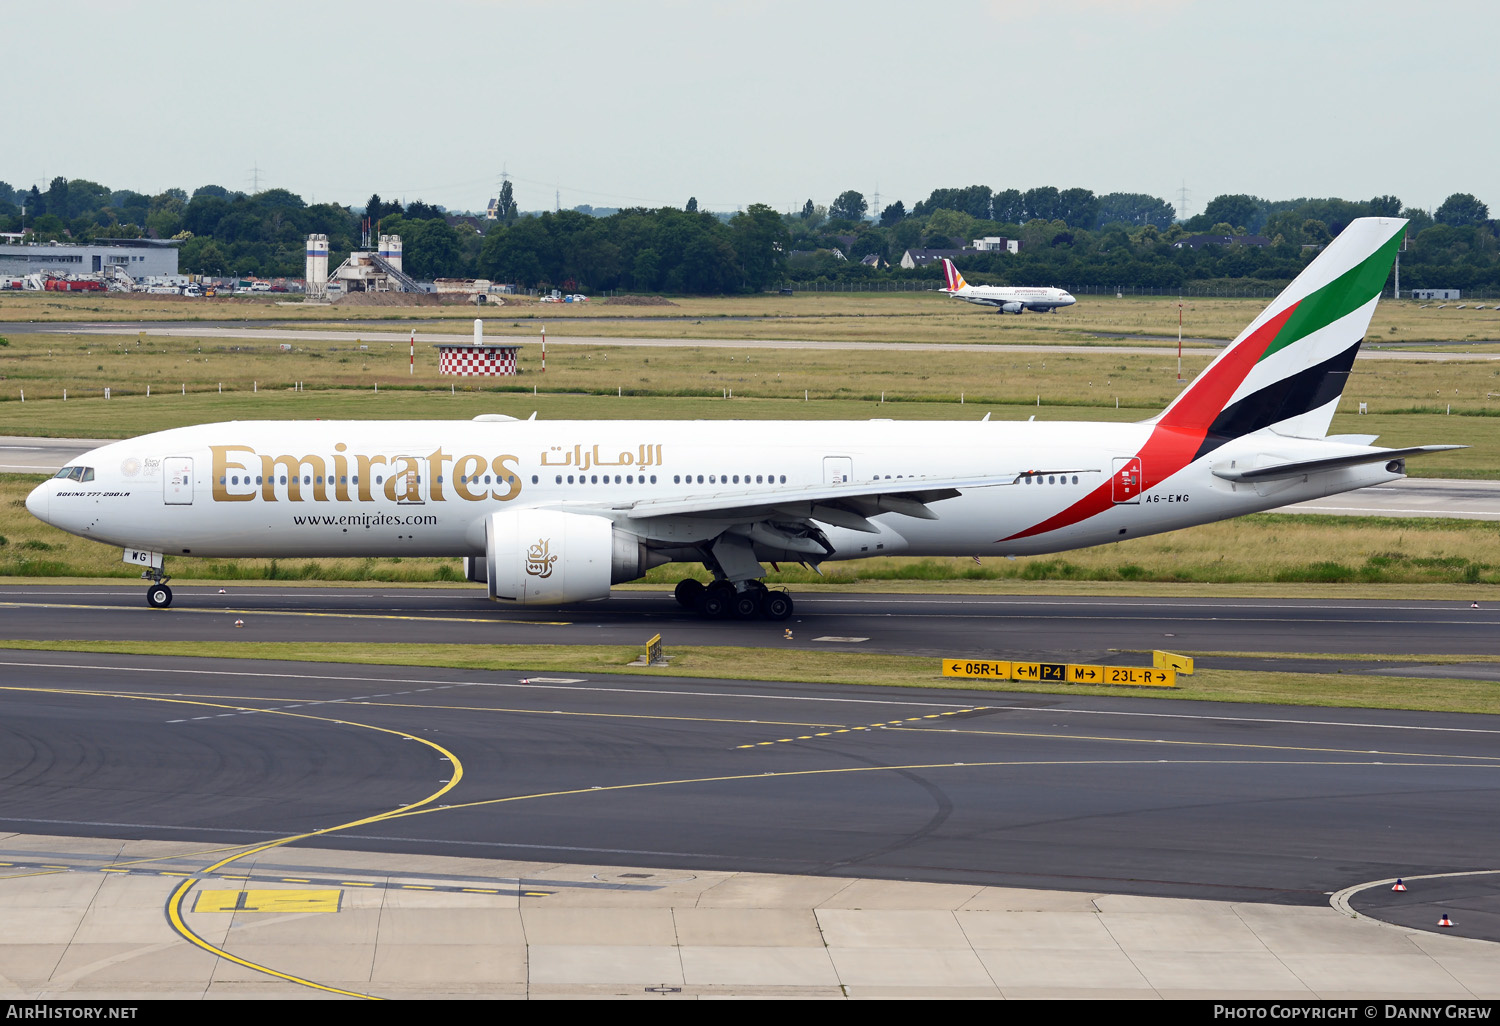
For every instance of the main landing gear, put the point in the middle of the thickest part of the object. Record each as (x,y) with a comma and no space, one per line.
(720,600)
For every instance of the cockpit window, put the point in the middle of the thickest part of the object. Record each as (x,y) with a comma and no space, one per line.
(76,473)
(65,472)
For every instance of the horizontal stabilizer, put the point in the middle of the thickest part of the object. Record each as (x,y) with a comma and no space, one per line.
(1302,467)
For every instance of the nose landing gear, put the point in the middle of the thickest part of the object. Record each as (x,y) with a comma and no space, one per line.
(158,595)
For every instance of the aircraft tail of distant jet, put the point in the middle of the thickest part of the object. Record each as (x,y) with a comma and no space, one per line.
(1004,299)
(956,283)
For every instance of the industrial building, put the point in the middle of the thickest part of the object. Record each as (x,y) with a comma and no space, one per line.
(138,258)
(363,271)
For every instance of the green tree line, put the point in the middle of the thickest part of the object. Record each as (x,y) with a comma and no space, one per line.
(1069,237)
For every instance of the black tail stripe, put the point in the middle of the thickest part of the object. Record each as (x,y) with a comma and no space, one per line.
(1289,397)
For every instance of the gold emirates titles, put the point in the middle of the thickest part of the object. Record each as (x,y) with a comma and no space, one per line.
(405,472)
(403,479)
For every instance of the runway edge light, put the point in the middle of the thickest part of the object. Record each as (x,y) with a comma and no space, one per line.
(1172,661)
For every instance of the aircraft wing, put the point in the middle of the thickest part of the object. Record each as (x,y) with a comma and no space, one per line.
(848,504)
(1301,467)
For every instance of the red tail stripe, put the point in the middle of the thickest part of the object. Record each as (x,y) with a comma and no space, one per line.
(1204,398)
(1180,431)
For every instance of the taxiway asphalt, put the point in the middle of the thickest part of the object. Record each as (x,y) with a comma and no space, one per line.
(1080,629)
(1051,844)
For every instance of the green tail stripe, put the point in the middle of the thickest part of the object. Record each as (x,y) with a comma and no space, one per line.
(1345,294)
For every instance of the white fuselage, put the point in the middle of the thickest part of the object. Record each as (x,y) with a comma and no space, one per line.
(398,488)
(1008,299)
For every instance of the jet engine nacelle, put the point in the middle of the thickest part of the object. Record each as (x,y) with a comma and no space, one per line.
(538,557)
(1014,308)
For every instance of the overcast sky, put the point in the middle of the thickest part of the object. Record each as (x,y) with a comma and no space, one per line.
(772,101)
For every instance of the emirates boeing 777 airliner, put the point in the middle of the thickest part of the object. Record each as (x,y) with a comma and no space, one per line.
(554,512)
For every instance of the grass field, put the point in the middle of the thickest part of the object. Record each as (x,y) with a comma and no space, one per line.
(870,316)
(1409,401)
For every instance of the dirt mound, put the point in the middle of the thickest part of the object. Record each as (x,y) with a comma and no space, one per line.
(638,301)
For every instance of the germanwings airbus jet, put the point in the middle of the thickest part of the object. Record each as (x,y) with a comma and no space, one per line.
(546,513)
(1004,298)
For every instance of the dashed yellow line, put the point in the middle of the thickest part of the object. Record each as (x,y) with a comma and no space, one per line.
(872,726)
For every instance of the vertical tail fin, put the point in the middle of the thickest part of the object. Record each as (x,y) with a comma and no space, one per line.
(956,281)
(1285,371)
(1288,368)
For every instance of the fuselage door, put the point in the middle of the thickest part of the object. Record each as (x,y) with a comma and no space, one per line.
(408,480)
(838,469)
(177,480)
(1126,484)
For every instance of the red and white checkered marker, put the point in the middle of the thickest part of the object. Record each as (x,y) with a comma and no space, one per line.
(1445,921)
(1399,886)
(477,361)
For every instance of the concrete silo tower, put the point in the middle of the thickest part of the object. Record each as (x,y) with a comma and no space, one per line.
(317,267)
(390,250)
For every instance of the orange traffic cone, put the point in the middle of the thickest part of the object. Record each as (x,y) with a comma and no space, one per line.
(1399,885)
(1445,921)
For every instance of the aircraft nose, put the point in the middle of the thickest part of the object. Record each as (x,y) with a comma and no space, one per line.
(36,502)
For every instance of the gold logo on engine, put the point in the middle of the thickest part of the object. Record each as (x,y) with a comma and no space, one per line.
(538,560)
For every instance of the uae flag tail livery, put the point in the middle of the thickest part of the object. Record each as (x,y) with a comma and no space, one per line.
(1287,370)
(1257,417)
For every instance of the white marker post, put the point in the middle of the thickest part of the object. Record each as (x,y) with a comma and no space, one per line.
(413,370)
(544,349)
(1179,338)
